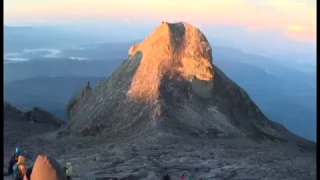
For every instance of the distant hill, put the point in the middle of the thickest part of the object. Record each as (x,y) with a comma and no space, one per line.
(50,93)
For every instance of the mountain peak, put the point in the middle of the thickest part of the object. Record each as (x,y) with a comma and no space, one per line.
(174,51)
(169,85)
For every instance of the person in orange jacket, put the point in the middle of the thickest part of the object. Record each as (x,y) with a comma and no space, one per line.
(19,169)
(14,159)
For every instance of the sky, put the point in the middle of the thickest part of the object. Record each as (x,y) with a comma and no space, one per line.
(295,18)
(277,28)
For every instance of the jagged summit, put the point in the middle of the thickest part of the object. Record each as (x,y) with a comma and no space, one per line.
(172,51)
(170,85)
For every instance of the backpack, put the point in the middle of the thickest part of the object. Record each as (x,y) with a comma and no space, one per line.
(14,158)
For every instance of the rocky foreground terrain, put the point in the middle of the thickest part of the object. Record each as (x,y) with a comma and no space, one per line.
(150,158)
(169,109)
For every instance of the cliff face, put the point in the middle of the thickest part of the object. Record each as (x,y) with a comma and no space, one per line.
(170,85)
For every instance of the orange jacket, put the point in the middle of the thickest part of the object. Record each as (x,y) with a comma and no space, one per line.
(22,167)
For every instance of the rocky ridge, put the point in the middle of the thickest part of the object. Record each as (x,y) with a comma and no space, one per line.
(78,100)
(19,125)
(38,115)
